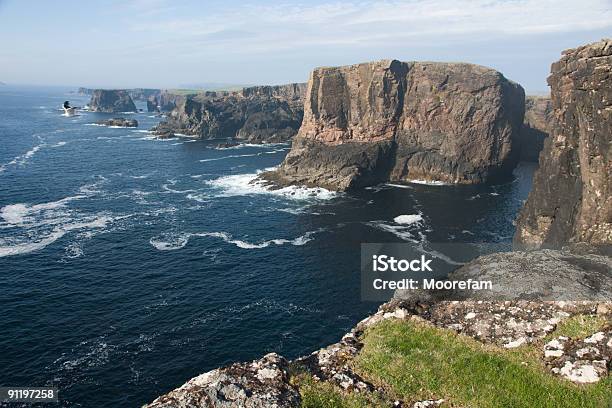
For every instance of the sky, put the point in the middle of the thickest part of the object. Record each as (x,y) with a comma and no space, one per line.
(170,44)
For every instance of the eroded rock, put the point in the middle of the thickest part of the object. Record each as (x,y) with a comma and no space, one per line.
(391,120)
(262,383)
(571,199)
(111,101)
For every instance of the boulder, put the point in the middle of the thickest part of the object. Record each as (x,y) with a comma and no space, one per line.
(390,120)
(121,122)
(571,197)
(111,101)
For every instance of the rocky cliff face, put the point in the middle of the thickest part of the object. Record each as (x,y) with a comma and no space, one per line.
(104,100)
(392,120)
(140,94)
(256,114)
(163,101)
(536,127)
(570,200)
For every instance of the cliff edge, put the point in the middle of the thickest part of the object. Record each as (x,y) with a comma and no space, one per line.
(570,200)
(390,120)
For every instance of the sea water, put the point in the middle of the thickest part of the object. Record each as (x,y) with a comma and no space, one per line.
(131,264)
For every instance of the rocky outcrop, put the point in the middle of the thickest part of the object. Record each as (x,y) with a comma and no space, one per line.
(164,101)
(392,120)
(111,101)
(262,383)
(574,273)
(538,115)
(137,94)
(571,197)
(256,114)
(118,122)
(508,324)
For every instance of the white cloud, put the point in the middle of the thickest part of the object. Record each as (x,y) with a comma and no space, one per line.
(285,26)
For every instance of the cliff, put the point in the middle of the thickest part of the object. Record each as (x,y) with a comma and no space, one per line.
(163,101)
(538,115)
(570,200)
(111,101)
(256,114)
(137,94)
(391,120)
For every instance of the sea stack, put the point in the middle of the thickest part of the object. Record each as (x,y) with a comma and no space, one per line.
(570,200)
(111,101)
(400,121)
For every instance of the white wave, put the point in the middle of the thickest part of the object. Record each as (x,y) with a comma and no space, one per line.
(9,247)
(140,131)
(403,232)
(169,242)
(399,185)
(233,156)
(248,184)
(494,194)
(17,214)
(257,145)
(429,182)
(59,144)
(22,159)
(408,219)
(94,124)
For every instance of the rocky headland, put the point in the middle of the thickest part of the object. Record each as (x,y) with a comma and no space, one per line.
(548,327)
(262,114)
(571,197)
(137,94)
(111,101)
(400,121)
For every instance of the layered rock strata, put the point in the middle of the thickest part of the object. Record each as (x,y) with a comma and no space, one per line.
(400,121)
(571,197)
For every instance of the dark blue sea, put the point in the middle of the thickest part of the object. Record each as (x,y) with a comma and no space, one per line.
(129,265)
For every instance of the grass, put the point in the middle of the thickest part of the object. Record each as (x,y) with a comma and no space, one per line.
(416,361)
(324,395)
(578,326)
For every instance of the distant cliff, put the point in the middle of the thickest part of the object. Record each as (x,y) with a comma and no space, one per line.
(391,120)
(137,94)
(256,114)
(538,115)
(112,101)
(570,200)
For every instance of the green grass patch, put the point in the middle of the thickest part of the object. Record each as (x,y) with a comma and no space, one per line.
(317,394)
(416,361)
(578,326)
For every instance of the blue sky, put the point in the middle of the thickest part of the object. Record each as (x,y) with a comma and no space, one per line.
(160,43)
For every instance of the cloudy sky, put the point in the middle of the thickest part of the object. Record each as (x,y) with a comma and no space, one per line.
(160,43)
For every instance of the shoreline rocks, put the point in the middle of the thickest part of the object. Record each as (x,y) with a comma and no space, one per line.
(397,121)
(118,122)
(571,198)
(111,101)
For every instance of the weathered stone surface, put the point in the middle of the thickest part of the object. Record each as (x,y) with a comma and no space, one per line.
(140,94)
(580,360)
(262,383)
(536,127)
(121,122)
(257,114)
(111,101)
(543,274)
(392,120)
(571,199)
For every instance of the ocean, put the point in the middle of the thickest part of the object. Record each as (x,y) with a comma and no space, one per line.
(131,264)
